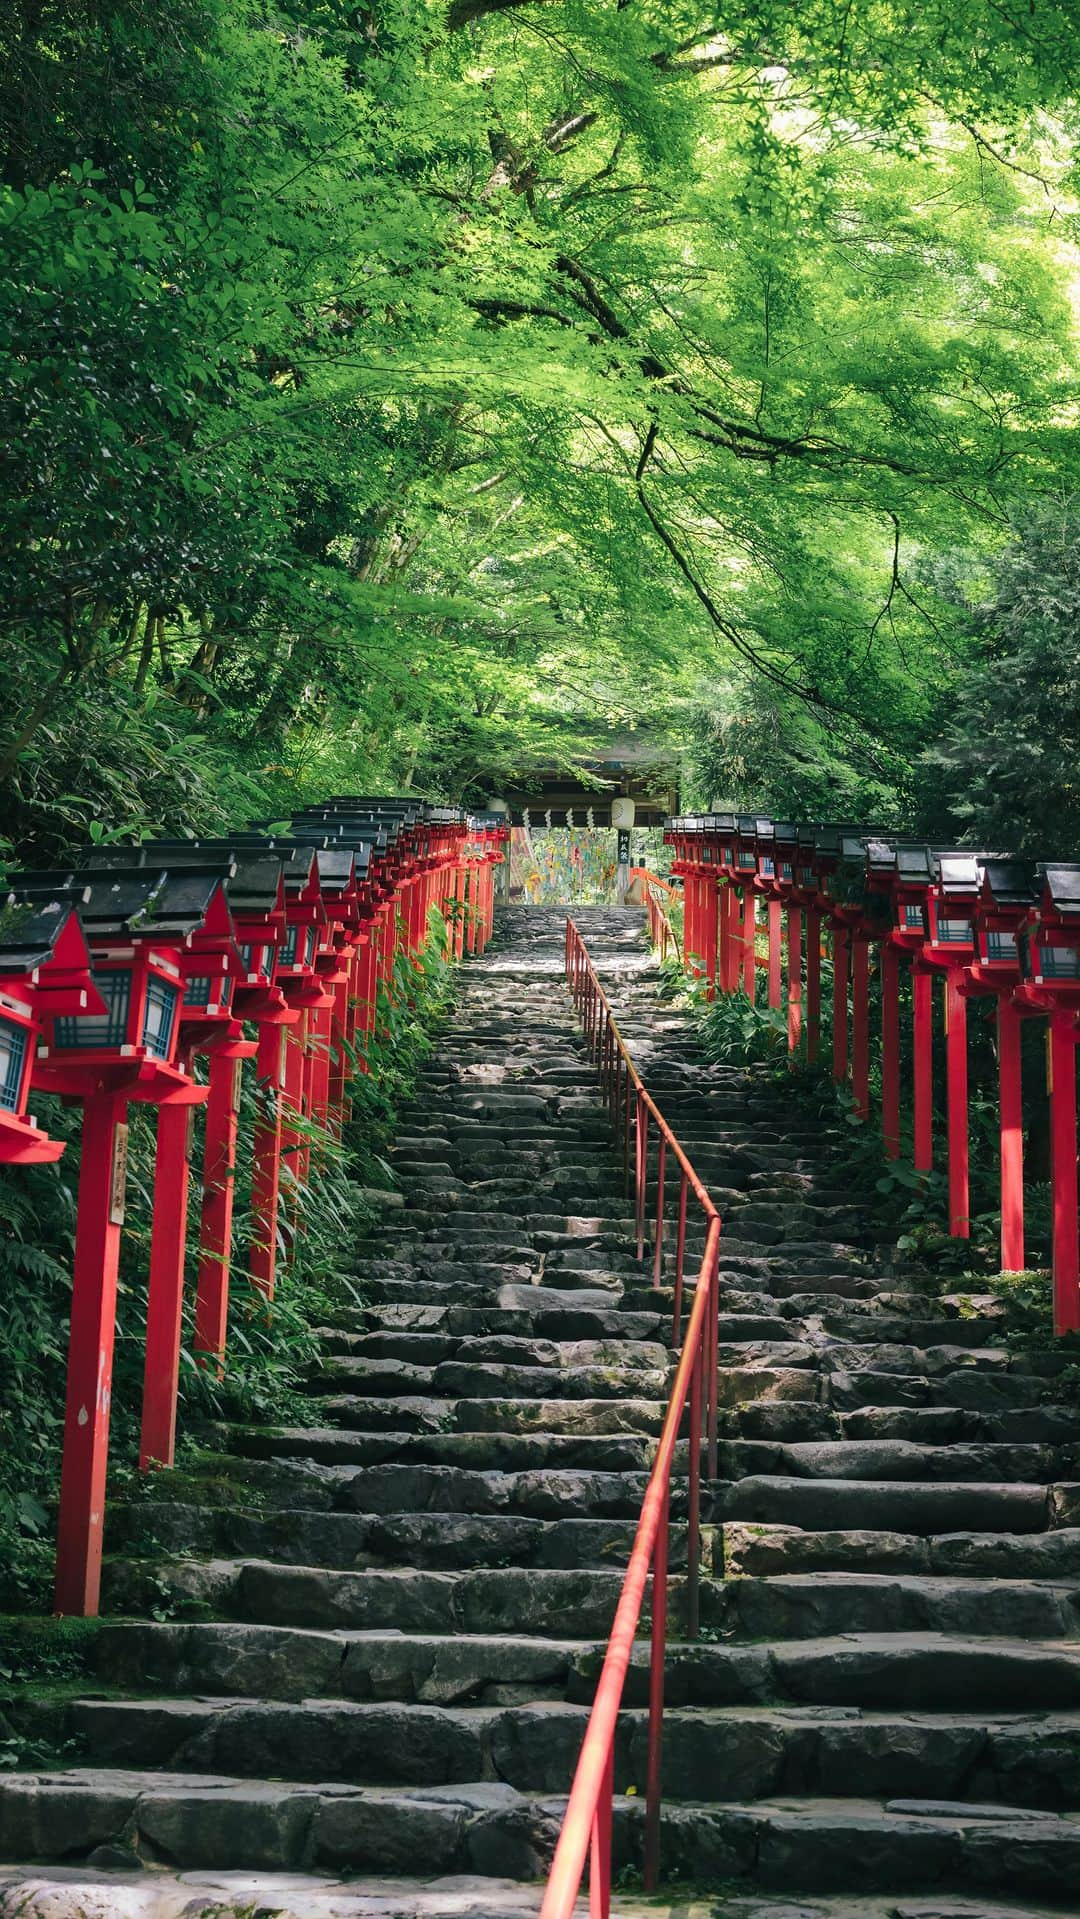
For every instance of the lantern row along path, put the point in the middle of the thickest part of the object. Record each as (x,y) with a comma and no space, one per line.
(382,1634)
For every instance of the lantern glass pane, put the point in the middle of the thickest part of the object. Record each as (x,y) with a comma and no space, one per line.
(913,918)
(1060,962)
(252,959)
(807,876)
(159,1018)
(786,872)
(953,932)
(768,866)
(999,944)
(288,951)
(200,990)
(747,859)
(12,1056)
(100,1030)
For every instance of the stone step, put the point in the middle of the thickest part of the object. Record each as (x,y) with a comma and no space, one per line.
(443,1541)
(829,1846)
(722,1754)
(852,1458)
(516,1451)
(284,1662)
(765,1550)
(823,1505)
(73,1893)
(504,1349)
(481,1600)
(617,1413)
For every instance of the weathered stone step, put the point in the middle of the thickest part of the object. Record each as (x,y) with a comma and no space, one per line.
(1057,1426)
(286,1662)
(602,1452)
(732,1753)
(443,1541)
(88,1894)
(480,1379)
(766,1550)
(502,1349)
(822,1505)
(577,1604)
(618,1413)
(832,1846)
(815,1605)
(891,1459)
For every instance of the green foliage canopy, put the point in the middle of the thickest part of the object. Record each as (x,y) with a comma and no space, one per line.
(398,394)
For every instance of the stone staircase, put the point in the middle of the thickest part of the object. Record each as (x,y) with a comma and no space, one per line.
(384,1630)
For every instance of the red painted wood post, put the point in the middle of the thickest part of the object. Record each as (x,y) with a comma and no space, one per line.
(724,932)
(860,1026)
(690,923)
(813,983)
(710,933)
(341,1020)
(293,1104)
(890,1049)
(922,1012)
(460,884)
(266,1173)
(749,942)
(1011,1119)
(471,875)
(1061,1042)
(794,978)
(317,1064)
(840,950)
(215,1236)
(165,1296)
(90,1356)
(775,921)
(956,1072)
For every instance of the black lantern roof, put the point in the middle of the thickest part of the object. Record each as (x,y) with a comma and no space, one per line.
(30,930)
(880,855)
(1063,885)
(914,865)
(337,869)
(252,877)
(1009,882)
(125,901)
(957,873)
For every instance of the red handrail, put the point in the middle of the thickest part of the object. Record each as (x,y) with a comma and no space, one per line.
(586,1828)
(662,934)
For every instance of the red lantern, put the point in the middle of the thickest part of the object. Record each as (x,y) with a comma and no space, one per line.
(44,972)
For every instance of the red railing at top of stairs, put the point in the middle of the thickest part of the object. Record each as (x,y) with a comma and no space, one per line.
(587,1824)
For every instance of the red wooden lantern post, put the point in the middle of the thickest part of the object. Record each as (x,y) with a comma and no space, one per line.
(709,856)
(211,966)
(911,922)
(950,946)
(765,885)
(807,893)
(1051,984)
(137,925)
(729,934)
(746,864)
(880,880)
(44,973)
(1006,902)
(786,843)
(827,841)
(844,886)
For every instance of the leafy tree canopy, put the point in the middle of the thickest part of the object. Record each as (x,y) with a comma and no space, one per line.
(396,393)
